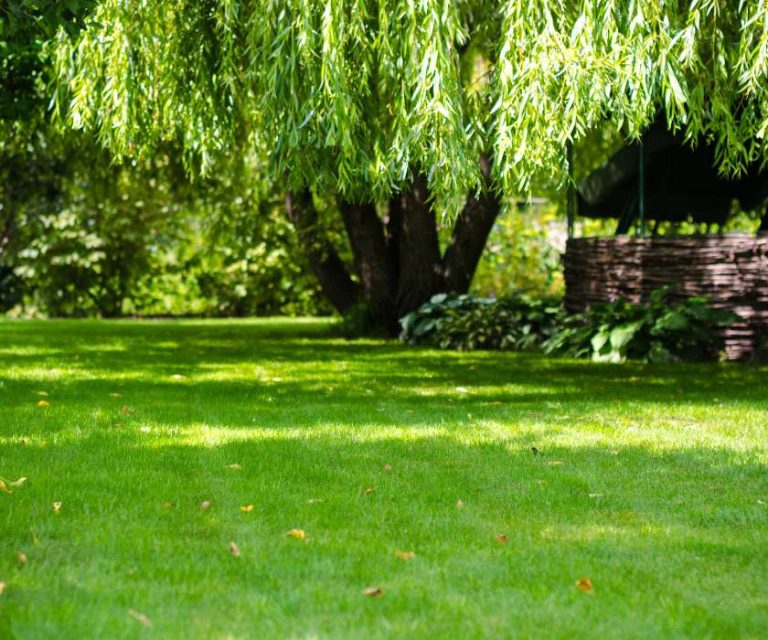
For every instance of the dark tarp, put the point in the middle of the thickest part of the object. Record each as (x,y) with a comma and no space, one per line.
(681,183)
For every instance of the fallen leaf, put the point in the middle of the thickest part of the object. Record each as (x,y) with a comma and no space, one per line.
(405,555)
(234,465)
(43,403)
(56,506)
(584,584)
(501,538)
(373,592)
(4,487)
(388,468)
(459,504)
(298,534)
(17,483)
(21,558)
(140,617)
(246,508)
(234,549)
(595,495)
(205,504)
(2,588)
(126,410)
(369,491)
(167,505)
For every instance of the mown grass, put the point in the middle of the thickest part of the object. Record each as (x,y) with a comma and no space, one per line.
(649,481)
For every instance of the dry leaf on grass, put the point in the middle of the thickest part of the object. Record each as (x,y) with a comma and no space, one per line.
(17,483)
(298,534)
(167,505)
(4,487)
(56,506)
(388,468)
(369,491)
(234,465)
(21,558)
(140,617)
(43,403)
(234,549)
(246,508)
(373,592)
(2,588)
(584,584)
(459,504)
(501,538)
(126,410)
(405,555)
(205,504)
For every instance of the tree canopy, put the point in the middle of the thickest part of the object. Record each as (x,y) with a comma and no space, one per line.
(358,96)
(25,28)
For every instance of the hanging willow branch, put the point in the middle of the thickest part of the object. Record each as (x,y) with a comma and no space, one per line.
(358,96)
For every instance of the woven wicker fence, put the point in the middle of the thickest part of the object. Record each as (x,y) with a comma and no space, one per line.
(730,270)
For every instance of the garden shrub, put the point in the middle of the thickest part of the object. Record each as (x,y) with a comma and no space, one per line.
(609,332)
(517,323)
(653,332)
(421,326)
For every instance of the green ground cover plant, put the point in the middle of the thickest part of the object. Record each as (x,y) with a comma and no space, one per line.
(660,330)
(250,479)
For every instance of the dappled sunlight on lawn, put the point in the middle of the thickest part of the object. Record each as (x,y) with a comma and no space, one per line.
(508,476)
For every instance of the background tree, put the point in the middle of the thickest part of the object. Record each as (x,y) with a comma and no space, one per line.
(26,26)
(406,111)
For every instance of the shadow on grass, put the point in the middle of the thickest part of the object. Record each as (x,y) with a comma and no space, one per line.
(244,376)
(311,422)
(625,517)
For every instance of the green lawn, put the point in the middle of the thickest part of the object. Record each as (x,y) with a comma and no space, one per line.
(650,481)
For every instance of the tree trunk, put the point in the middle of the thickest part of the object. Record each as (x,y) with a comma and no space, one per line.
(397,260)
(368,240)
(329,268)
(419,269)
(470,235)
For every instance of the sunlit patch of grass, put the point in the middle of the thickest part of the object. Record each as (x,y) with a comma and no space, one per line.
(510,477)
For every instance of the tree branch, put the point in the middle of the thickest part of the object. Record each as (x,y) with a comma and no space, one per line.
(470,234)
(367,237)
(329,268)
(419,264)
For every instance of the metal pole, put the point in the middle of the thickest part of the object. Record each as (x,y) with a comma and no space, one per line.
(641,189)
(571,195)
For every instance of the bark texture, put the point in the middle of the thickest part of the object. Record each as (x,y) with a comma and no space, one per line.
(329,268)
(397,259)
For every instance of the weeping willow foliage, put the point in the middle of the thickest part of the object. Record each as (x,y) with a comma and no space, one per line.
(357,96)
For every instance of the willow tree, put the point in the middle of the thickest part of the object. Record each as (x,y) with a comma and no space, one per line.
(405,111)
